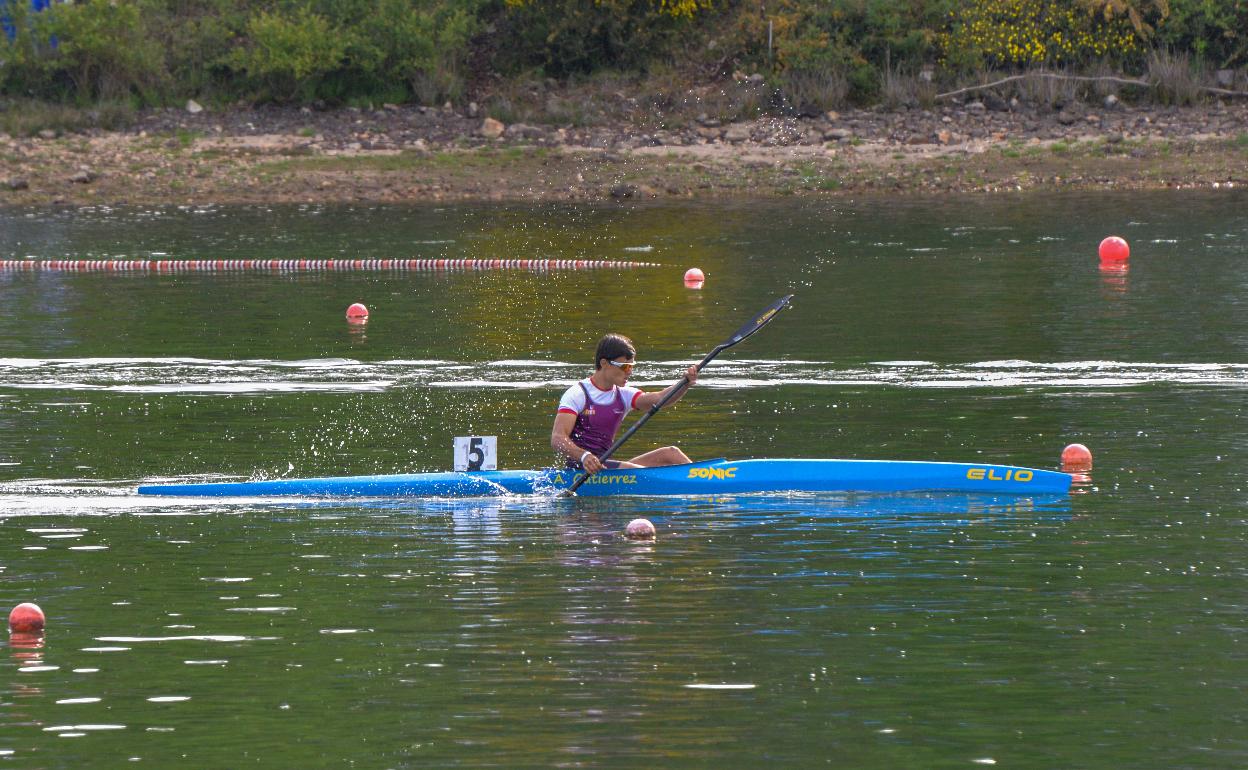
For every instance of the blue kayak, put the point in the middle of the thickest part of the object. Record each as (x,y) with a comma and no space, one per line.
(712,477)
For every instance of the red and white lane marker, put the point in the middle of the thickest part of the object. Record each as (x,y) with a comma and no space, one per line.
(305,265)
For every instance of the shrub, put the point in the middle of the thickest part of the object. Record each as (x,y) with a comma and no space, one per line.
(568,37)
(290,52)
(90,50)
(396,48)
(1035,32)
(1175,79)
(1215,31)
(198,38)
(815,89)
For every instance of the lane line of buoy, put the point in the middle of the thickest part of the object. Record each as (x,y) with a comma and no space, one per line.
(307,265)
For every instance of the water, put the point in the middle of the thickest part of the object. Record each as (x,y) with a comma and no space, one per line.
(1103,630)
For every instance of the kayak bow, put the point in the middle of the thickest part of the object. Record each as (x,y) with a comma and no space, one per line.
(712,477)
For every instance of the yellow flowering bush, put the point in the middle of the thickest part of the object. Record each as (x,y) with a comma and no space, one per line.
(1036,32)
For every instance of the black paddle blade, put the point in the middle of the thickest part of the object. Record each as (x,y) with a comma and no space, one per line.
(760,320)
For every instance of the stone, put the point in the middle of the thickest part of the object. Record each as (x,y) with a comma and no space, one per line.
(194,107)
(625,191)
(47,133)
(996,103)
(976,108)
(1092,118)
(1066,118)
(1111,102)
(836,134)
(491,128)
(944,137)
(16,183)
(83,175)
(737,133)
(524,131)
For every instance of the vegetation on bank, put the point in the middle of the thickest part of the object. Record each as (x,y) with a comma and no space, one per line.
(515,56)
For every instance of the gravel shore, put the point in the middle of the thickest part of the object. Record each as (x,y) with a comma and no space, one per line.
(415,154)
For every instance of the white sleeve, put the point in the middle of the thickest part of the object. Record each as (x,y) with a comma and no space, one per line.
(573,400)
(630,395)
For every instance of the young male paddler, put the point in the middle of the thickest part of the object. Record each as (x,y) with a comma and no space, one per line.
(590,412)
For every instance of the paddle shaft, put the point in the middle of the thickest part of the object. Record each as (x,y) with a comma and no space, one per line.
(754,325)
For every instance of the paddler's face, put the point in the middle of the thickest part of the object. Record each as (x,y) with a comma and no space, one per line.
(619,369)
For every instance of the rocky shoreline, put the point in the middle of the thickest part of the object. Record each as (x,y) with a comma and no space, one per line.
(415,154)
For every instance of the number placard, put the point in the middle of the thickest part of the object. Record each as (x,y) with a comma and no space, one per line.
(476,453)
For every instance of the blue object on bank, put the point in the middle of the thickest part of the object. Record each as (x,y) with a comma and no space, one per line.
(6,21)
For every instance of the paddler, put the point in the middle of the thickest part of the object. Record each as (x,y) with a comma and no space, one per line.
(590,412)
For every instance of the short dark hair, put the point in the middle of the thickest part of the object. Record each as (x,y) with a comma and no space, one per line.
(613,346)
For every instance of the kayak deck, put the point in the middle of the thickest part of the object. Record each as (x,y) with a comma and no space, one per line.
(710,477)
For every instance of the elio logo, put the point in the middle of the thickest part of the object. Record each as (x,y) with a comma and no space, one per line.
(992,474)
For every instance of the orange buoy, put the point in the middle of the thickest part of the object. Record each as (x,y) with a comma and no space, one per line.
(639,529)
(357,311)
(1076,457)
(694,274)
(26,618)
(1114,249)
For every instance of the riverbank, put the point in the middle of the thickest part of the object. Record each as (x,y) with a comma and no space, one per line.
(416,154)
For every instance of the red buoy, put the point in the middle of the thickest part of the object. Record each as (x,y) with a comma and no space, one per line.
(26,618)
(694,274)
(357,311)
(1114,249)
(1076,457)
(639,529)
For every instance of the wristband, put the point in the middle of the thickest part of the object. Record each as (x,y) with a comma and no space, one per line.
(583,456)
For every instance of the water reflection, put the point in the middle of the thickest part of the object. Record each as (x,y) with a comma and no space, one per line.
(1114,279)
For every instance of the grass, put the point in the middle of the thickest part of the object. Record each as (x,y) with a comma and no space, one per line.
(27,117)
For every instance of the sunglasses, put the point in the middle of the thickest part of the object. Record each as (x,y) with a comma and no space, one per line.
(625,365)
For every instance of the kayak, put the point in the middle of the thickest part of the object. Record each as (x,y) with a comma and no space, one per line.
(711,477)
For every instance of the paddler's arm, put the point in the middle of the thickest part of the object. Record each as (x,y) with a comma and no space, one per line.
(561,441)
(647,400)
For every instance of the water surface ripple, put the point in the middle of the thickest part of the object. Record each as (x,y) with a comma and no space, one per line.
(180,375)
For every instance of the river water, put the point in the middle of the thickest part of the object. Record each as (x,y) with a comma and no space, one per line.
(1102,630)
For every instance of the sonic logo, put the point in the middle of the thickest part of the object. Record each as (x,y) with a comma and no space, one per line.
(713,473)
(991,474)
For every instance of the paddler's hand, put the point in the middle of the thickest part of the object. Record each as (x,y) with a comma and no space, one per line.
(591,463)
(692,375)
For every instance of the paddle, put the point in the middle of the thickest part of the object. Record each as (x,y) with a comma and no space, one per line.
(756,323)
